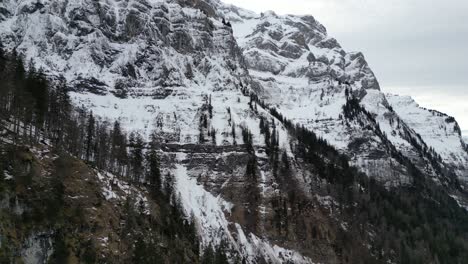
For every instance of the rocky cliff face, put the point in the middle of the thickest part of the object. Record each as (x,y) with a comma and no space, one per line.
(306,74)
(185,69)
(169,66)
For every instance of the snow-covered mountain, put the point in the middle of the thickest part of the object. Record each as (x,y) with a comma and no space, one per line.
(185,69)
(440,131)
(306,74)
(172,67)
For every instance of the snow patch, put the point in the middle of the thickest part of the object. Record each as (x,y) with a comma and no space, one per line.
(117,189)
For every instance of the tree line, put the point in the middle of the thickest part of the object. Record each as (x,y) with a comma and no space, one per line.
(36,111)
(419,223)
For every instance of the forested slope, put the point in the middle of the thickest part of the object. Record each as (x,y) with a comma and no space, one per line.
(75,190)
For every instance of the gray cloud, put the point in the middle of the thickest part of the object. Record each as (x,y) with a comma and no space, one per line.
(424,44)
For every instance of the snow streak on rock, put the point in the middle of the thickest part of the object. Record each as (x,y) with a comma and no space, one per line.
(210,212)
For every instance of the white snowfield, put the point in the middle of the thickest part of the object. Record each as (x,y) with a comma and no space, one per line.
(156,65)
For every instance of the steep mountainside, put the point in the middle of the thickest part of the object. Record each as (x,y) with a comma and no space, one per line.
(110,52)
(150,50)
(438,130)
(308,77)
(60,210)
(242,108)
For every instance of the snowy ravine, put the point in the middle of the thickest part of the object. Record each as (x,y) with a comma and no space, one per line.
(176,67)
(210,212)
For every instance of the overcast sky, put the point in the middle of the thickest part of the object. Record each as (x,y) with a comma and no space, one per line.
(415,47)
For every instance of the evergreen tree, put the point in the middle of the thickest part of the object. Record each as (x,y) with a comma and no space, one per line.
(213,136)
(136,156)
(153,172)
(208,256)
(102,146)
(118,149)
(220,254)
(169,186)
(234,133)
(61,252)
(90,136)
(210,108)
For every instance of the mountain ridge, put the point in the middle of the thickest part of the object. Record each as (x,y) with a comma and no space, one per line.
(243,107)
(309,72)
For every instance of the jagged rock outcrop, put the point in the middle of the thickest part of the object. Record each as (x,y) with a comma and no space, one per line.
(184,69)
(309,77)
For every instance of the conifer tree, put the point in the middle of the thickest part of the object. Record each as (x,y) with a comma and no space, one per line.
(208,255)
(136,156)
(168,186)
(153,175)
(89,135)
